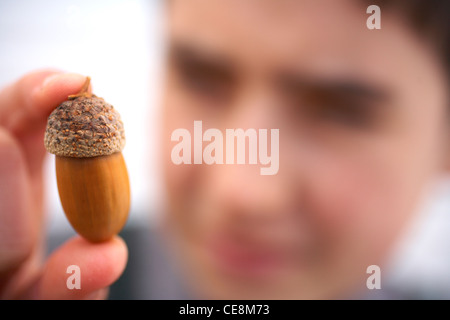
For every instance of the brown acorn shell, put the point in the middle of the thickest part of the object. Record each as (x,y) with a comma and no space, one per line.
(84,127)
(95,194)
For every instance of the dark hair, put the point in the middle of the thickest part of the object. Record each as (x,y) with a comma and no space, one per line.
(429,18)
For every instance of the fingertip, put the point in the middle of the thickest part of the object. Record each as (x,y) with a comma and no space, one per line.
(55,88)
(27,102)
(97,265)
(107,260)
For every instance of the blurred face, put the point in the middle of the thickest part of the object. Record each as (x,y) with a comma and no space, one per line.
(362,125)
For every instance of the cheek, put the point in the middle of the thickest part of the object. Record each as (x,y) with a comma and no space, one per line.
(338,195)
(179,180)
(353,201)
(172,119)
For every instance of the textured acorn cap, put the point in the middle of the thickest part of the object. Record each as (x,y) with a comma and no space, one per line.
(84,127)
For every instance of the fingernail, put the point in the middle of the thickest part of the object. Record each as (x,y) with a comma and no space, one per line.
(67,77)
(50,79)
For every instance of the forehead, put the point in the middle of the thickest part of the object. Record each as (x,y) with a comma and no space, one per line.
(264,23)
(317,36)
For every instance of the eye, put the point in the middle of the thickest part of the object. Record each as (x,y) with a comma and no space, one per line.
(345,112)
(333,108)
(205,82)
(347,103)
(204,78)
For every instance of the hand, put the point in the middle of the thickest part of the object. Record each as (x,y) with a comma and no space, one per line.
(24,108)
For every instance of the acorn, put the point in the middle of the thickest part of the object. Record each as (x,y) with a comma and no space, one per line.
(86,135)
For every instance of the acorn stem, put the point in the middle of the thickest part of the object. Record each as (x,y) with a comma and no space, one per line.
(84,92)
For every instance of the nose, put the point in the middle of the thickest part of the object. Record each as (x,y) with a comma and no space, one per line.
(238,195)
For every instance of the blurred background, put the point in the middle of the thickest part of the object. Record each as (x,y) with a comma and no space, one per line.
(119,44)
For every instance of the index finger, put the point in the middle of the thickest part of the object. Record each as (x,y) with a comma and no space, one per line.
(27,103)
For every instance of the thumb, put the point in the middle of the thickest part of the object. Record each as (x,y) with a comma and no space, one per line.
(82,270)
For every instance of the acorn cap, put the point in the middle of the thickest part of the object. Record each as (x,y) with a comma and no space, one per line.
(86,126)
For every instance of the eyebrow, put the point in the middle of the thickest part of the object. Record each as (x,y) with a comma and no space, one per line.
(200,58)
(189,55)
(346,87)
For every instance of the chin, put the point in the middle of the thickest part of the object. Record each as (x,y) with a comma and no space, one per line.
(211,283)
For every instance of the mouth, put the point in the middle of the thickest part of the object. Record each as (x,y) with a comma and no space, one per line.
(248,261)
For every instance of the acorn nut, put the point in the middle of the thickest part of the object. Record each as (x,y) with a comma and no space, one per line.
(87,136)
